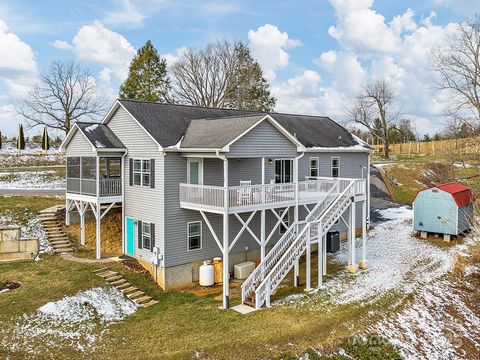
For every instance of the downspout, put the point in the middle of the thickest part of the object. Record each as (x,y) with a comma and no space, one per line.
(124,247)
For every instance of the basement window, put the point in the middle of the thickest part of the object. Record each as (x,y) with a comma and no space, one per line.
(194,235)
(146,235)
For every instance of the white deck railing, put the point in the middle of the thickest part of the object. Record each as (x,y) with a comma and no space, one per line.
(110,186)
(107,186)
(257,196)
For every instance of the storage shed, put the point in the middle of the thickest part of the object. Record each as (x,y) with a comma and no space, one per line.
(444,209)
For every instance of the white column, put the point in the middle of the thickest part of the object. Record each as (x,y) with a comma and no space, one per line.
(296,269)
(324,253)
(367,192)
(97,223)
(67,212)
(363,263)
(308,265)
(262,215)
(226,275)
(352,265)
(320,257)
(81,212)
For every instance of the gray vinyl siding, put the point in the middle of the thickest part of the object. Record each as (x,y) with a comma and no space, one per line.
(351,165)
(79,146)
(141,203)
(176,218)
(263,140)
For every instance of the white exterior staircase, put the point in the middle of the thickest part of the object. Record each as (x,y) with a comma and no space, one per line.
(258,287)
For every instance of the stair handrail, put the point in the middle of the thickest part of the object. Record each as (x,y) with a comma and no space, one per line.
(267,279)
(283,243)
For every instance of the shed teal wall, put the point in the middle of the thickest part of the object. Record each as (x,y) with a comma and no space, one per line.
(435,212)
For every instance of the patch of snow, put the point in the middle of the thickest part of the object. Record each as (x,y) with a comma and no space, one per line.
(77,321)
(402,212)
(27,180)
(470,270)
(462,165)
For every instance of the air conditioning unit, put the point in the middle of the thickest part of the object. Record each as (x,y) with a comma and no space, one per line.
(243,270)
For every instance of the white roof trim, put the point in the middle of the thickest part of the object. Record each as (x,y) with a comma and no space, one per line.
(275,124)
(114,108)
(354,148)
(69,137)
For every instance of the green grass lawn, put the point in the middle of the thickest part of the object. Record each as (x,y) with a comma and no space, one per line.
(23,208)
(183,323)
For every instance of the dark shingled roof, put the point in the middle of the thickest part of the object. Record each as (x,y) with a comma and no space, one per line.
(167,123)
(101,136)
(216,133)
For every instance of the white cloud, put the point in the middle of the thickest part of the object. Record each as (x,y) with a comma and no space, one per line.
(62,45)
(173,58)
(132,13)
(268,45)
(97,44)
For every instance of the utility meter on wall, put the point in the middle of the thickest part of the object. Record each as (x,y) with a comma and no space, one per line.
(156,256)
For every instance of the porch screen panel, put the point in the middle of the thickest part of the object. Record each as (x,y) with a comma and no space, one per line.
(89,183)
(73,174)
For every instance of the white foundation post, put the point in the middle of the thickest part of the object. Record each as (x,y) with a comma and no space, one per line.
(296,268)
(262,215)
(363,263)
(226,275)
(352,267)
(324,253)
(81,211)
(320,259)
(67,211)
(97,223)
(308,277)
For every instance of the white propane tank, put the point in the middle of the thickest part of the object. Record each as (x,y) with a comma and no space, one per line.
(207,274)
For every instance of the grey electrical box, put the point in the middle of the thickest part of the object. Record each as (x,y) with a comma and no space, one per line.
(333,241)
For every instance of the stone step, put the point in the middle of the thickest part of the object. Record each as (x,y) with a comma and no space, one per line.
(61,246)
(107,273)
(143,299)
(150,303)
(118,282)
(135,295)
(113,278)
(59,251)
(58,240)
(57,235)
(101,270)
(47,217)
(123,286)
(128,290)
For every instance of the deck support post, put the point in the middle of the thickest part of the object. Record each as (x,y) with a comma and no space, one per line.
(81,210)
(97,223)
(324,254)
(262,215)
(352,267)
(363,263)
(67,211)
(226,274)
(296,267)
(308,265)
(321,240)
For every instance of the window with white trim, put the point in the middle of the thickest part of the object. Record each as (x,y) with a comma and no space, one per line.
(282,229)
(314,166)
(141,172)
(335,167)
(146,235)
(194,235)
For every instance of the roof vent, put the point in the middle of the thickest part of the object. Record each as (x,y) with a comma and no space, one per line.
(340,137)
(295,135)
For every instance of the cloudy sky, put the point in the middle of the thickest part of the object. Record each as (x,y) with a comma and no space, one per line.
(317,55)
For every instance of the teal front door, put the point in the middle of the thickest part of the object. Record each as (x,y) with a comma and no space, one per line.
(130,236)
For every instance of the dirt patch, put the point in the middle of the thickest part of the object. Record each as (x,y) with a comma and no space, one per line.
(9,285)
(111,235)
(134,266)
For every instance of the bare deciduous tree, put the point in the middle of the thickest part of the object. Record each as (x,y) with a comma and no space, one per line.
(66,93)
(372,110)
(457,62)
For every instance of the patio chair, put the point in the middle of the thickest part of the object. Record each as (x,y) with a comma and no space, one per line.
(244,192)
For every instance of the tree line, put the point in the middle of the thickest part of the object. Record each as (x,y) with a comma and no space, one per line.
(222,74)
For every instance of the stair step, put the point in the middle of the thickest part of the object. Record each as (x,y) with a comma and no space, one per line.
(113,278)
(60,246)
(59,251)
(107,273)
(143,299)
(150,303)
(118,282)
(128,290)
(101,270)
(135,295)
(123,286)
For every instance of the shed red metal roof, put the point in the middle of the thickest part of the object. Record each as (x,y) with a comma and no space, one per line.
(460,193)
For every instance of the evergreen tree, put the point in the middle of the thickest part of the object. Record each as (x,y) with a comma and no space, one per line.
(45,140)
(20,139)
(248,89)
(147,77)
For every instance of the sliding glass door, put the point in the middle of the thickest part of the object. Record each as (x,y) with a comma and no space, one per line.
(283,171)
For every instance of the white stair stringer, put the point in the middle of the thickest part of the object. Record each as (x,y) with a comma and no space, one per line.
(306,230)
(271,259)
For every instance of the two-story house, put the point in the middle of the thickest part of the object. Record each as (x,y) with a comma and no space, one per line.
(196,183)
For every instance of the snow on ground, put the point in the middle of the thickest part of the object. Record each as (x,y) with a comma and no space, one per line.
(31,156)
(462,165)
(31,229)
(77,321)
(438,323)
(27,180)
